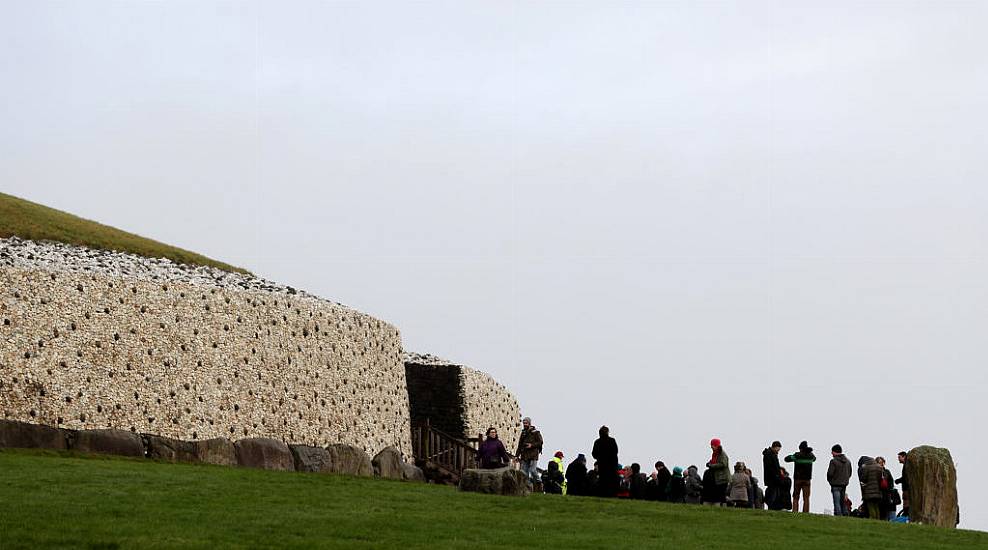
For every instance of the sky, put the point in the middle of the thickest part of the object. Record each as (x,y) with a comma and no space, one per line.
(743,220)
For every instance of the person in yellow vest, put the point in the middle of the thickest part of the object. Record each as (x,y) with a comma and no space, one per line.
(558,459)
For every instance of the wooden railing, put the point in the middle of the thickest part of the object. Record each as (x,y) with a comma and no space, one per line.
(444,451)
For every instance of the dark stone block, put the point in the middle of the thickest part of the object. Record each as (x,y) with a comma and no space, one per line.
(31,436)
(311,459)
(410,472)
(264,453)
(218,451)
(502,481)
(111,442)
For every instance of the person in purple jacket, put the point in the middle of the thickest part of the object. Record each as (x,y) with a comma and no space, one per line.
(491,453)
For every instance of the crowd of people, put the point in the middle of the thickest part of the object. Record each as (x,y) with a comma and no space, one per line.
(720,484)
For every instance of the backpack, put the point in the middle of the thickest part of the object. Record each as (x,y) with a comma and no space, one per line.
(896,498)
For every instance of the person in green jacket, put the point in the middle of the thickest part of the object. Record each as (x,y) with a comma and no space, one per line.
(720,467)
(802,475)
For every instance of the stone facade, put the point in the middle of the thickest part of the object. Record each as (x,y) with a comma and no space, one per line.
(92,339)
(460,400)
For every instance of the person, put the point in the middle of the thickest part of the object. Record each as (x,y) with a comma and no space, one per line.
(676,489)
(593,480)
(756,498)
(576,476)
(740,483)
(802,475)
(491,453)
(870,477)
(529,449)
(904,482)
(605,450)
(660,480)
(624,481)
(890,497)
(719,465)
(558,459)
(694,486)
(552,479)
(773,478)
(838,476)
(785,486)
(636,482)
(712,494)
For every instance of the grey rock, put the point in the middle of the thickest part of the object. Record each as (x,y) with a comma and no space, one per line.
(387,464)
(411,472)
(219,451)
(349,460)
(311,459)
(264,453)
(31,436)
(932,486)
(111,442)
(166,448)
(502,481)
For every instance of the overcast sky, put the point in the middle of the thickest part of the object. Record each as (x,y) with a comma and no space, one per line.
(744,220)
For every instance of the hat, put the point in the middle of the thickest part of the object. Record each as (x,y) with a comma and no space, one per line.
(804,446)
(559,454)
(715,442)
(581,456)
(677,471)
(777,444)
(837,449)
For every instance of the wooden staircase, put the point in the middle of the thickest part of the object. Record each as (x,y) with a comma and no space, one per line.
(441,454)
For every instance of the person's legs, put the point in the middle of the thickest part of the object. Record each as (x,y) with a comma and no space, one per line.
(530,467)
(795,496)
(874,509)
(806,496)
(845,510)
(838,495)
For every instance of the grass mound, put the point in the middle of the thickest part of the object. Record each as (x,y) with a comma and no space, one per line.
(58,499)
(28,220)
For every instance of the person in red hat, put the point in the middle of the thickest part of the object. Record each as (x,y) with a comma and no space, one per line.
(719,466)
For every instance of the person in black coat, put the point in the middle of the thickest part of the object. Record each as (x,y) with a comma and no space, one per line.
(605,450)
(576,476)
(662,477)
(712,494)
(785,488)
(773,477)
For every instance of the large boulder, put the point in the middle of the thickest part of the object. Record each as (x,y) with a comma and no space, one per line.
(411,472)
(932,486)
(500,481)
(311,459)
(349,460)
(219,451)
(31,436)
(264,453)
(110,442)
(387,464)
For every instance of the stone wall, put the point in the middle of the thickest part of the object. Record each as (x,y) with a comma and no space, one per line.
(92,339)
(465,401)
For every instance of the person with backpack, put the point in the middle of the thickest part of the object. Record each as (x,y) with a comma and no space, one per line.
(552,479)
(802,475)
(558,459)
(720,466)
(890,495)
(694,486)
(491,453)
(838,476)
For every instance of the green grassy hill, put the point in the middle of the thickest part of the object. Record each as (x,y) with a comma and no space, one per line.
(57,499)
(33,221)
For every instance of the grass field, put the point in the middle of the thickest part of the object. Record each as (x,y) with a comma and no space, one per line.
(33,221)
(58,499)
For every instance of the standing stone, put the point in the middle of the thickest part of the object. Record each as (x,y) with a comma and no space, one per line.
(349,460)
(264,453)
(387,464)
(166,448)
(932,486)
(31,436)
(110,442)
(311,459)
(500,481)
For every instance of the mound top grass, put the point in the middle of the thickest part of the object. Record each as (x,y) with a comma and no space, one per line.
(32,221)
(60,499)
